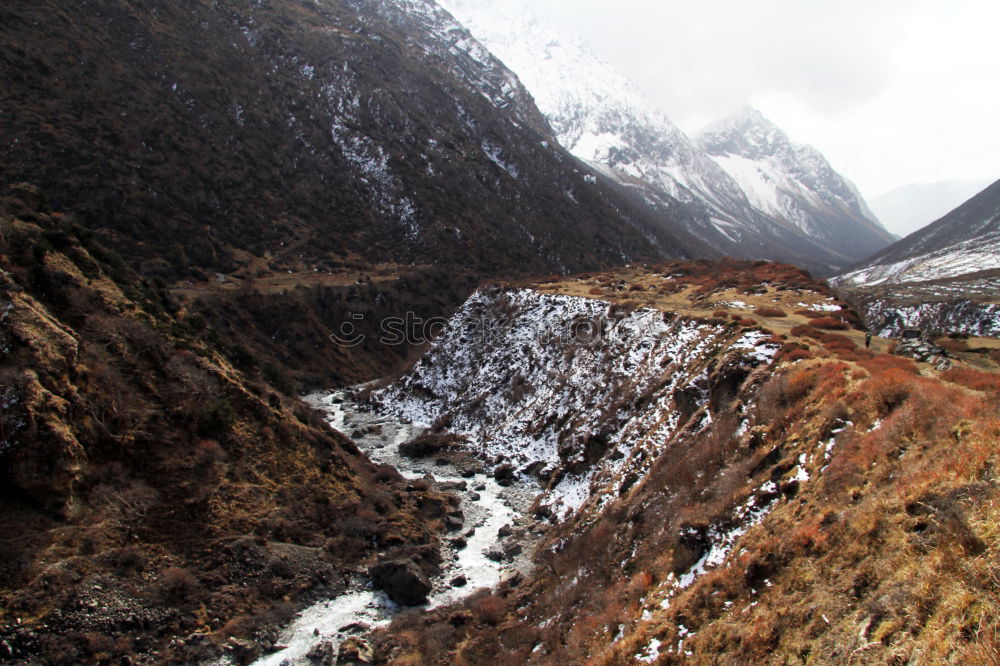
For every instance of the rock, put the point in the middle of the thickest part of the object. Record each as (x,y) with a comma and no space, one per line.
(504,473)
(459,543)
(459,581)
(692,543)
(512,549)
(481,487)
(494,554)
(402,580)
(469,533)
(504,531)
(354,628)
(453,485)
(475,497)
(321,653)
(354,651)
(511,578)
(243,651)
(453,523)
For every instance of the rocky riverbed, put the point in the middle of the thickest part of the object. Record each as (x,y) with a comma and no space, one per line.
(491,543)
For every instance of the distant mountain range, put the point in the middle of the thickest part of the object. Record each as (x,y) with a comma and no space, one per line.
(756,193)
(911,207)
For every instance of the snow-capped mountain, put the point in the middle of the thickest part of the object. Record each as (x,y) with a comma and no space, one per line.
(601,117)
(793,183)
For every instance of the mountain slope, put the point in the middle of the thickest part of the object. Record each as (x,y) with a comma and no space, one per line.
(601,117)
(149,472)
(793,183)
(912,207)
(733,505)
(941,278)
(306,133)
(964,242)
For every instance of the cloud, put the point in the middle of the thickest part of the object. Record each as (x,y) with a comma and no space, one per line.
(892,91)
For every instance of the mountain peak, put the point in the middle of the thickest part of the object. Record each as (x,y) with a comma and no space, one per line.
(748,132)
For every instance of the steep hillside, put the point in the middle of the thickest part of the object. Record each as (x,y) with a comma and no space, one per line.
(306,134)
(794,184)
(795,510)
(945,277)
(601,117)
(961,243)
(159,500)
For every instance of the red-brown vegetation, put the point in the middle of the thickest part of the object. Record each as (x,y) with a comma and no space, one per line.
(770,312)
(829,323)
(974,379)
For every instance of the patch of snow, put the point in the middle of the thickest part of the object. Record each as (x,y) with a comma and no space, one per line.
(651,653)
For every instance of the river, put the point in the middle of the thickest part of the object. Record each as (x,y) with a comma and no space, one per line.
(379,436)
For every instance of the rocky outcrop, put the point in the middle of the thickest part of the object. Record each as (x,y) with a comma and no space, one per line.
(402,580)
(575,392)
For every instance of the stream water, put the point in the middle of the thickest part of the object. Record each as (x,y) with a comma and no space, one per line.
(379,436)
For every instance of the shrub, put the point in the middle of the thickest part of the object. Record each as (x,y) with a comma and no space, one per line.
(770,312)
(829,323)
(887,391)
(489,609)
(806,332)
(721,314)
(177,584)
(748,323)
(793,351)
(595,291)
(881,363)
(973,379)
(838,343)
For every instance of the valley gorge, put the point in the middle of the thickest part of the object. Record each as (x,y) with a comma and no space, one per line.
(380,332)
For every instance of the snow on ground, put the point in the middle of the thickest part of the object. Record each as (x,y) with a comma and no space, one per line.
(539,380)
(978,254)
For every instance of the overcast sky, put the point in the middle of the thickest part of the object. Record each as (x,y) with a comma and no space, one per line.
(891,91)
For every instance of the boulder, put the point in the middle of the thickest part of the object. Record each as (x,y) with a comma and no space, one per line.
(321,653)
(459,581)
(354,651)
(505,474)
(244,651)
(402,580)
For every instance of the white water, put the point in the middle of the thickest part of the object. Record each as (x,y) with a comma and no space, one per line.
(496,507)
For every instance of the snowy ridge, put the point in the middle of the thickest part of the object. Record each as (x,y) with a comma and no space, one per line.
(964,242)
(943,278)
(793,183)
(962,258)
(601,117)
(566,389)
